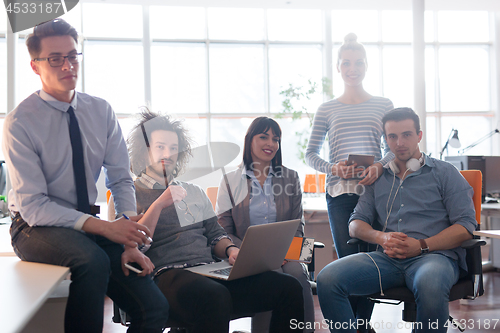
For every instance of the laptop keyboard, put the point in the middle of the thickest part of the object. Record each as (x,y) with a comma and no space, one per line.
(224,271)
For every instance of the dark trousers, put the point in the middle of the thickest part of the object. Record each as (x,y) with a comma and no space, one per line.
(207,304)
(95,265)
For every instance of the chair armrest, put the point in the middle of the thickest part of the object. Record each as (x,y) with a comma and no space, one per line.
(361,244)
(311,266)
(474,259)
(354,241)
(472,243)
(318,245)
(474,265)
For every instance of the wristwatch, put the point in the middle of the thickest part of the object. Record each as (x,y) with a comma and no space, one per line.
(424,248)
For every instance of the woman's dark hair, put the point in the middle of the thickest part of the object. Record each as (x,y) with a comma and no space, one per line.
(258,126)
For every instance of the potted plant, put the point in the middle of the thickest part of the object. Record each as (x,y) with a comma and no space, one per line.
(295,104)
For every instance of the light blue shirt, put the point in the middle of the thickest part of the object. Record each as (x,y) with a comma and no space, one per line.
(262,207)
(38,152)
(427,202)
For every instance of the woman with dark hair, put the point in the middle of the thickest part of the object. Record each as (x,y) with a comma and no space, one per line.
(263,191)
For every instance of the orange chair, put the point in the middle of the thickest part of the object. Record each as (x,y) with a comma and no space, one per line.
(475,179)
(313,186)
(212,194)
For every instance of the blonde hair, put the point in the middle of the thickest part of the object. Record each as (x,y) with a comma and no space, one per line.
(351,43)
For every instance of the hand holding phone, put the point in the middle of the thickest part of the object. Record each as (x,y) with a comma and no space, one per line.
(134,267)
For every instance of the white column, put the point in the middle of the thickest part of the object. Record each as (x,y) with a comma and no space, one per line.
(11,68)
(11,81)
(495,82)
(146,45)
(327,46)
(418,8)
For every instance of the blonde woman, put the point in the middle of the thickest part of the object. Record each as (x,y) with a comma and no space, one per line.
(353,122)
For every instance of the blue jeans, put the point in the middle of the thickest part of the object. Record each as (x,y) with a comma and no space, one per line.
(95,265)
(339,212)
(430,278)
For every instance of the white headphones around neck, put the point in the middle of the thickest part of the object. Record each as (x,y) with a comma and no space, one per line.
(411,165)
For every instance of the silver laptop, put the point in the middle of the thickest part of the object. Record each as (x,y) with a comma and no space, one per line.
(263,249)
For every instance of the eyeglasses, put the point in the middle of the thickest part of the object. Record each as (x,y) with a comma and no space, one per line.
(183,206)
(58,61)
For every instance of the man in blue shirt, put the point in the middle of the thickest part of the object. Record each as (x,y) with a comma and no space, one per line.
(39,148)
(425,211)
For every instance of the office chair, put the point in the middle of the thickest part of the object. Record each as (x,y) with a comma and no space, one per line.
(468,287)
(311,268)
(212,194)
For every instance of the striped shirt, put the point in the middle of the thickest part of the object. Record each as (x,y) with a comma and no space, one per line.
(351,129)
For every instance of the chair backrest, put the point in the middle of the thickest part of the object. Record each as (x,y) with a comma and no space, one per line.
(474,177)
(313,184)
(212,194)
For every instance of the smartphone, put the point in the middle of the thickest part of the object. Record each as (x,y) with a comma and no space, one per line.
(134,267)
(361,160)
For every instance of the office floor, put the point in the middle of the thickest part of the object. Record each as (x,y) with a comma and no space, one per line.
(477,314)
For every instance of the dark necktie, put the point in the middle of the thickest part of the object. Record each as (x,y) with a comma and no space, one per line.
(78,163)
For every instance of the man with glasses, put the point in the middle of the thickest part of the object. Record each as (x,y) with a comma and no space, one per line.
(55,144)
(186,233)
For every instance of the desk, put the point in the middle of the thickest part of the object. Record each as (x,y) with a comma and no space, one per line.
(24,287)
(5,240)
(318,227)
(490,210)
(488,233)
(5,244)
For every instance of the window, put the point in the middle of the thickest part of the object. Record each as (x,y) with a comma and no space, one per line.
(179,78)
(293,64)
(220,67)
(3,75)
(464,78)
(115,72)
(245,23)
(177,22)
(3,63)
(237,78)
(112,20)
(458,88)
(294,25)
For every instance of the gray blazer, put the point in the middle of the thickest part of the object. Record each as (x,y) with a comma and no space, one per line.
(236,220)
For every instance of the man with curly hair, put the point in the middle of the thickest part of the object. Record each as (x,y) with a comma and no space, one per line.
(186,233)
